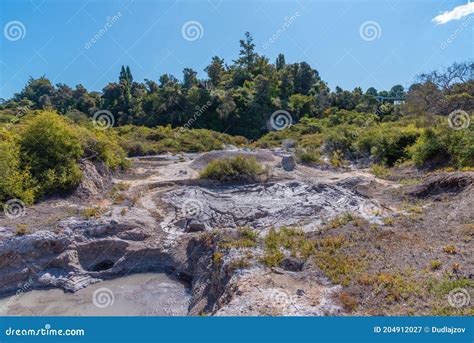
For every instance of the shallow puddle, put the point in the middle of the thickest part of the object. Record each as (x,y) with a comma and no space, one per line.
(148,294)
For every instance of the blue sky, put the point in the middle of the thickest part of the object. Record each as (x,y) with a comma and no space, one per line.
(54,38)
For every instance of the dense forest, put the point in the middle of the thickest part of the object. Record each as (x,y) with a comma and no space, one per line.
(47,129)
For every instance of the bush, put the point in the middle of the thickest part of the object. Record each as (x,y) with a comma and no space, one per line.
(236,168)
(340,139)
(102,146)
(427,148)
(308,155)
(443,146)
(380,171)
(386,143)
(14,181)
(50,150)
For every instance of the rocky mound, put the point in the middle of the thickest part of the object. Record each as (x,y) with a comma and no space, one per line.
(96,179)
(438,184)
(261,206)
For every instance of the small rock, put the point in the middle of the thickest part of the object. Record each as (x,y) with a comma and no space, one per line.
(181,223)
(293,264)
(288,144)
(195,226)
(300,292)
(288,163)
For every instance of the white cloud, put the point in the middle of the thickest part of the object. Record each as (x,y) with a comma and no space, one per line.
(455,14)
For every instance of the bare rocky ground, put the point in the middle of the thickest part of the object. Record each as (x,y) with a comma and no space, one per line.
(367,246)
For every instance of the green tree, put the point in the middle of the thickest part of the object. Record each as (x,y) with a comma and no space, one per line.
(247,55)
(189,78)
(280,62)
(15,181)
(215,70)
(305,78)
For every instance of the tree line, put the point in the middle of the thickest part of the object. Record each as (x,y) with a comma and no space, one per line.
(239,97)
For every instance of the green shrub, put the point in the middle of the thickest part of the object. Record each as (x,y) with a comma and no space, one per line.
(15,182)
(236,168)
(443,146)
(341,139)
(308,155)
(380,171)
(386,143)
(50,150)
(102,146)
(427,148)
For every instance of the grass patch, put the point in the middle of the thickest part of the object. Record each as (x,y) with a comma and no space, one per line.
(435,264)
(388,221)
(93,212)
(395,286)
(247,238)
(217,257)
(450,249)
(337,159)
(334,263)
(348,301)
(308,155)
(289,240)
(22,229)
(122,186)
(380,171)
(340,220)
(240,263)
(440,290)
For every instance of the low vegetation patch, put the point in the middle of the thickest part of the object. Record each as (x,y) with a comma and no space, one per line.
(380,171)
(291,241)
(40,155)
(238,168)
(246,238)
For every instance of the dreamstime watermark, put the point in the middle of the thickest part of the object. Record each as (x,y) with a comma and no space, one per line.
(459,120)
(103,297)
(20,112)
(14,208)
(22,288)
(192,208)
(370,30)
(280,298)
(463,207)
(459,297)
(279,120)
(44,331)
(456,32)
(355,133)
(103,119)
(109,22)
(287,22)
(199,111)
(344,201)
(175,301)
(14,30)
(192,30)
